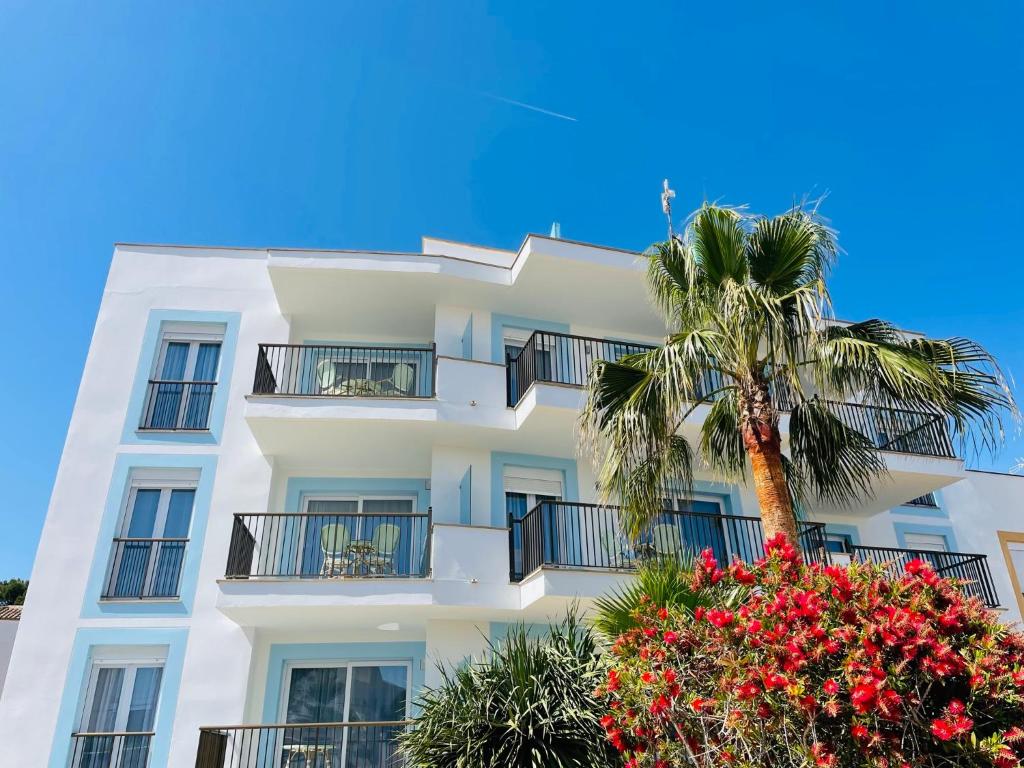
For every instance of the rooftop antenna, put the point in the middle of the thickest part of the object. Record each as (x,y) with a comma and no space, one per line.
(666,205)
(556,231)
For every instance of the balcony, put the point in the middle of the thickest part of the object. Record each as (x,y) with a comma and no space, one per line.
(557,534)
(557,358)
(329,546)
(328,371)
(971,570)
(569,535)
(367,745)
(110,750)
(144,569)
(178,406)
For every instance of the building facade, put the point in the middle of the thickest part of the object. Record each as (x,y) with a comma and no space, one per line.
(295,482)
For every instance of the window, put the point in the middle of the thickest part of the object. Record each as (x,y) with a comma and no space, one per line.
(1012,545)
(540,368)
(121,700)
(928,500)
(839,543)
(361,536)
(525,488)
(926,542)
(350,692)
(368,372)
(183,378)
(693,525)
(149,549)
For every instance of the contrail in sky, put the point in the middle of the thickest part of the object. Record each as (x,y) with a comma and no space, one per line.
(515,103)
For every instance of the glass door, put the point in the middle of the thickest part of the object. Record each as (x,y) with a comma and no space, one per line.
(187,370)
(364,536)
(328,694)
(119,713)
(154,534)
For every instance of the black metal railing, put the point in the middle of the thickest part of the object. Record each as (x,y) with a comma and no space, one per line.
(970,570)
(145,568)
(558,534)
(324,546)
(110,750)
(313,745)
(559,358)
(899,430)
(307,370)
(177,405)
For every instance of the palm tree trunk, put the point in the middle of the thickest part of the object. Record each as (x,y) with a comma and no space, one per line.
(764,448)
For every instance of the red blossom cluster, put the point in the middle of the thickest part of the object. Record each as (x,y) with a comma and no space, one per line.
(806,665)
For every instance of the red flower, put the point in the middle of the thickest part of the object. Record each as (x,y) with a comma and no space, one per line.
(663,614)
(670,637)
(859,732)
(863,697)
(669,676)
(647,677)
(831,687)
(942,730)
(720,618)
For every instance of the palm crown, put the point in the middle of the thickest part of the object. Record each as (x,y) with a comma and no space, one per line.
(751,333)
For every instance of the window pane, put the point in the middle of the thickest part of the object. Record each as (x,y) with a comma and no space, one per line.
(146,692)
(175,358)
(316,695)
(179,513)
(206,362)
(378,693)
(106,696)
(143,514)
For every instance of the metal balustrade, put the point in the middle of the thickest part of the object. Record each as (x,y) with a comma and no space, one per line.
(972,571)
(180,406)
(313,745)
(144,569)
(325,546)
(318,370)
(559,534)
(124,749)
(558,358)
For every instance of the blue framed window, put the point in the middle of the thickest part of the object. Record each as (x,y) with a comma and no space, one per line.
(183,379)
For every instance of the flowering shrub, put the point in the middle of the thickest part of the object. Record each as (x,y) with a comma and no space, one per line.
(827,667)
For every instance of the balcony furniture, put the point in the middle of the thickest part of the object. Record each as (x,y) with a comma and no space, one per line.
(329,370)
(304,546)
(310,756)
(335,542)
(666,540)
(618,549)
(385,542)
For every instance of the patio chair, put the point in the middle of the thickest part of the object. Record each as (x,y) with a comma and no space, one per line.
(385,542)
(666,540)
(617,550)
(334,541)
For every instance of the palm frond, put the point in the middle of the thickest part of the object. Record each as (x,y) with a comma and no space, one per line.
(721,443)
(716,235)
(831,458)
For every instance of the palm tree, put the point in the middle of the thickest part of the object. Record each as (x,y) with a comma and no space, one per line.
(751,333)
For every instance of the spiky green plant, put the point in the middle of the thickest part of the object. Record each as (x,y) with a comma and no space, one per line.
(527,704)
(665,582)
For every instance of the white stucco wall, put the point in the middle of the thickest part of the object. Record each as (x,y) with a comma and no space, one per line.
(8,631)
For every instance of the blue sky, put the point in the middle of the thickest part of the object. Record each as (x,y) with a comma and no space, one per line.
(369,124)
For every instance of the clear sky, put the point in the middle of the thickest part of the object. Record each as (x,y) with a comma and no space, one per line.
(368,124)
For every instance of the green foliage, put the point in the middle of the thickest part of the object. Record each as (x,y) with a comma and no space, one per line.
(528,704)
(659,581)
(12,591)
(752,334)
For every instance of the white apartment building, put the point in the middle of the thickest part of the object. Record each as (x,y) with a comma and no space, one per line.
(294,482)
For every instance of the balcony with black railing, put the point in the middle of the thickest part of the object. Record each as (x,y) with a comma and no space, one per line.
(144,569)
(334,371)
(305,745)
(122,749)
(558,358)
(178,406)
(329,546)
(559,534)
(970,570)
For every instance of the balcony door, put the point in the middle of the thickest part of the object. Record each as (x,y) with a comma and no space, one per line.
(360,536)
(118,715)
(150,550)
(343,692)
(694,524)
(525,488)
(186,372)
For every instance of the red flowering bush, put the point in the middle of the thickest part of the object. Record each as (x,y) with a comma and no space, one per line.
(813,666)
